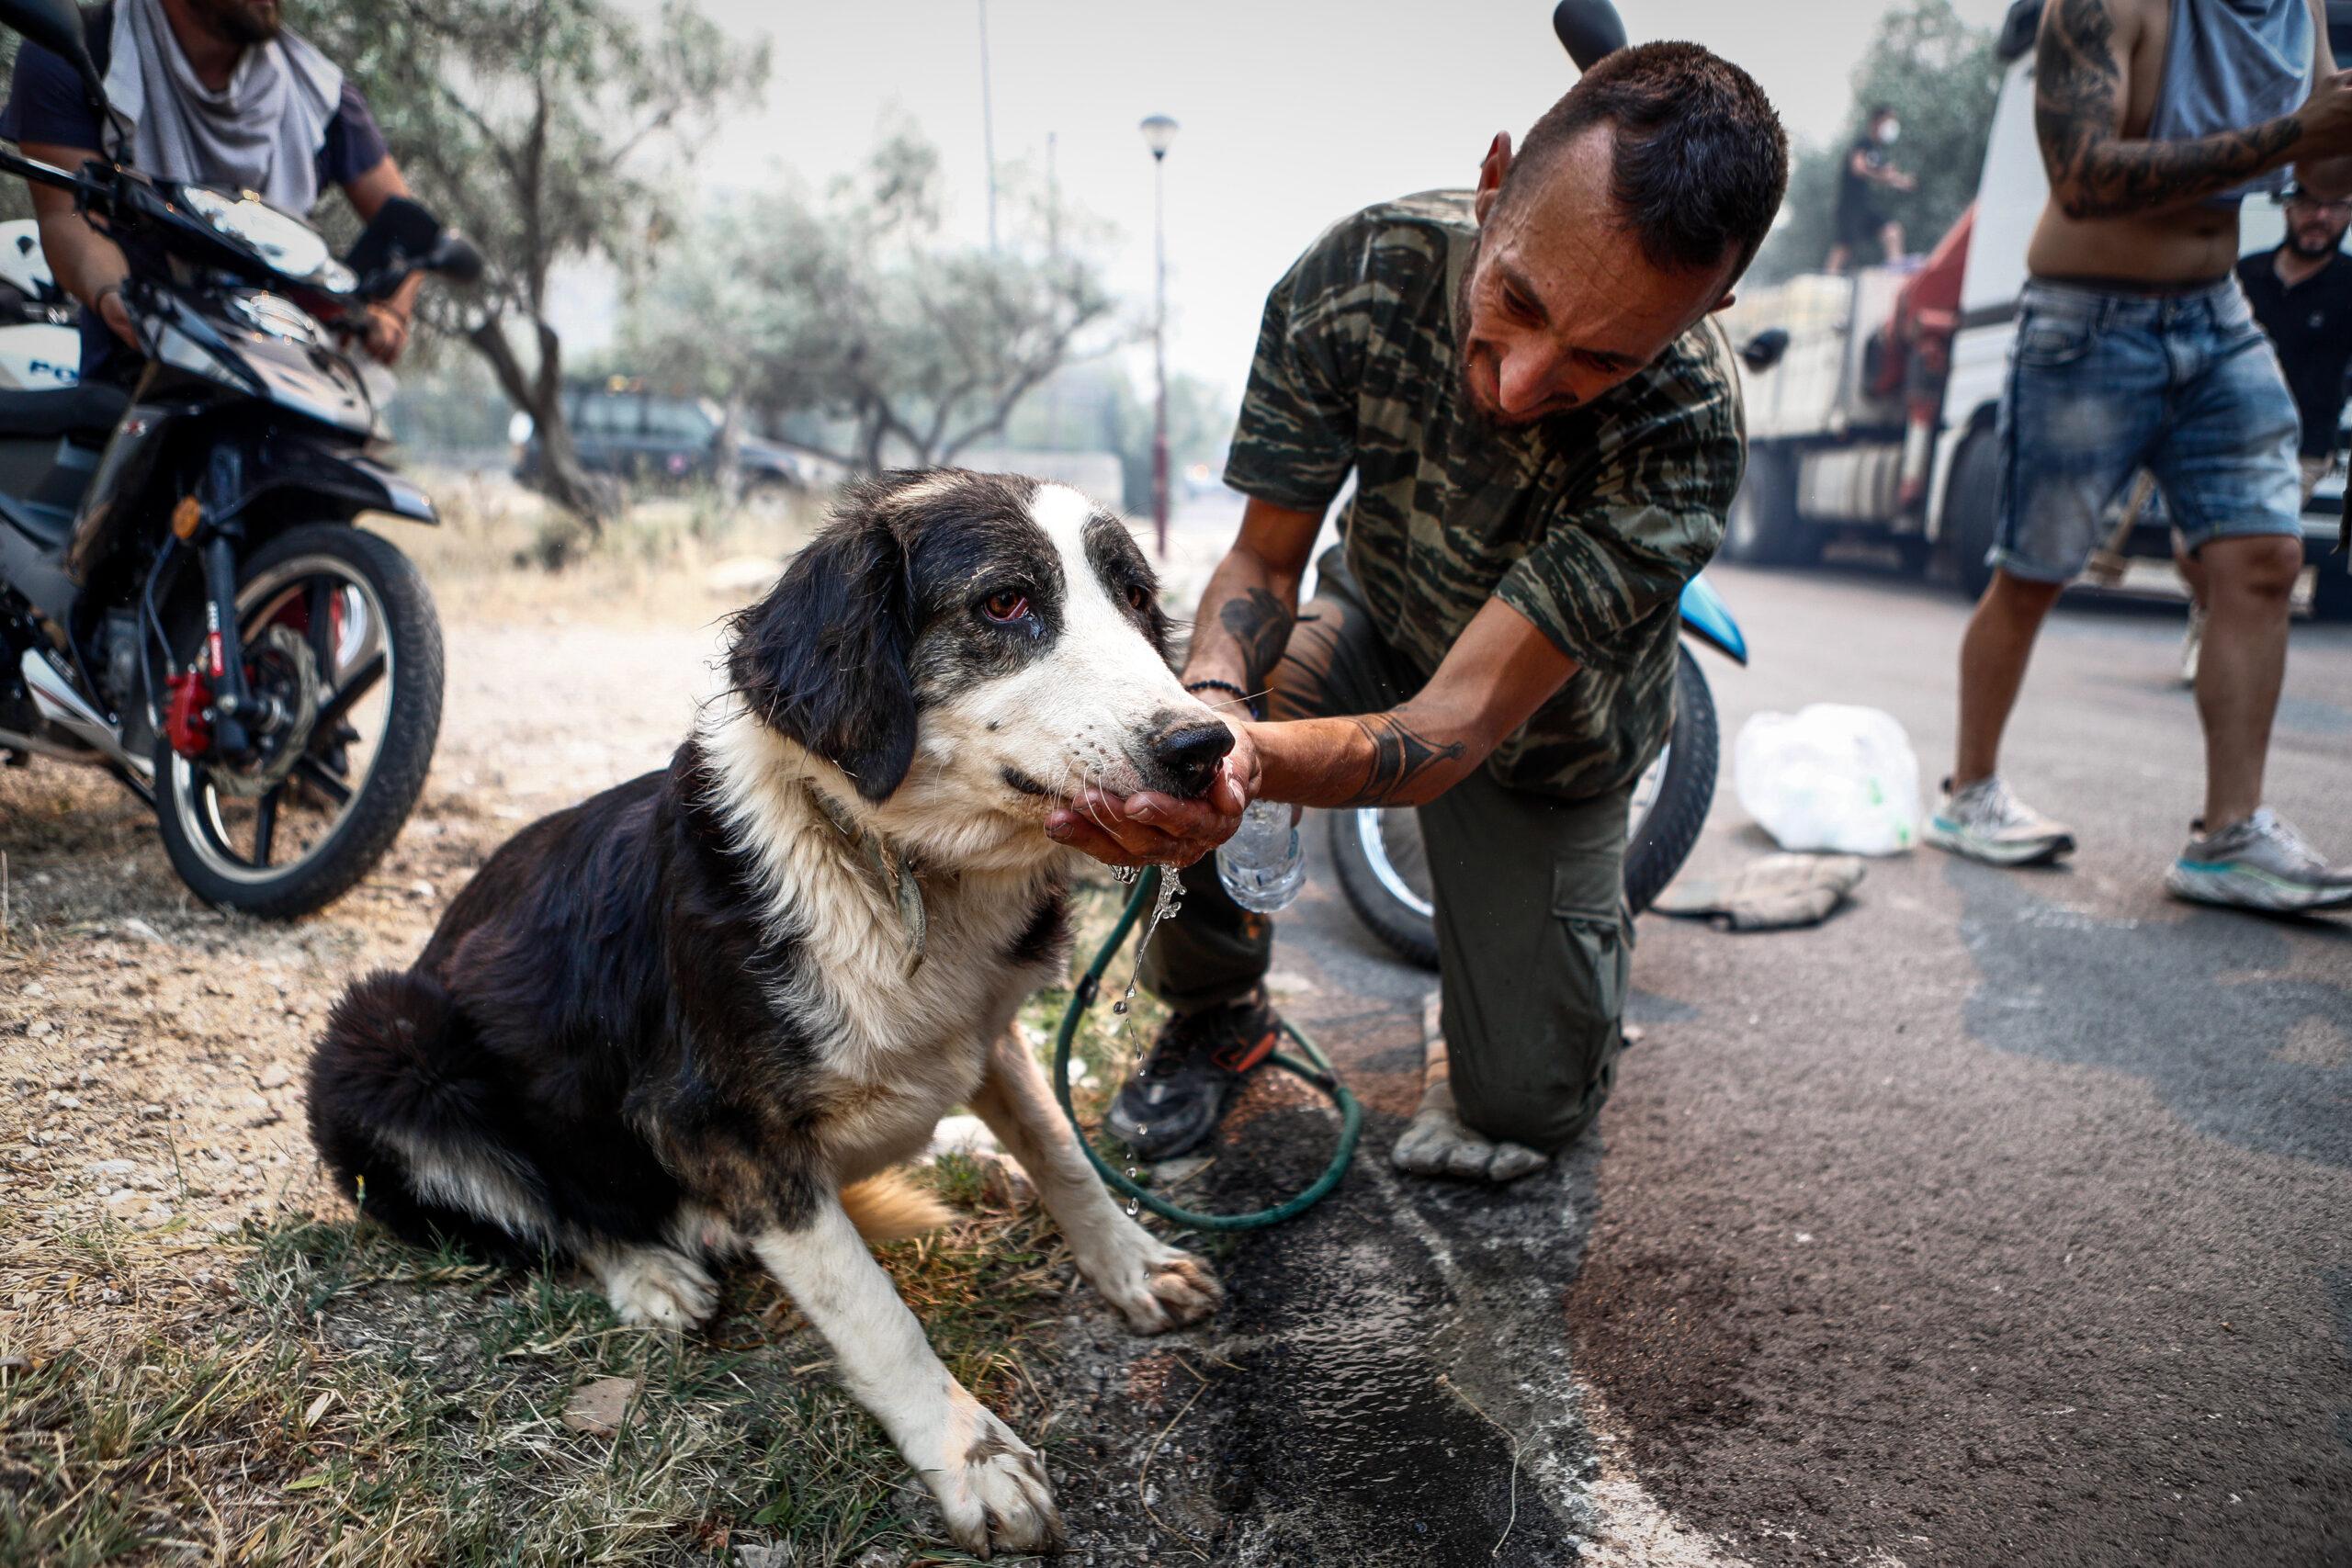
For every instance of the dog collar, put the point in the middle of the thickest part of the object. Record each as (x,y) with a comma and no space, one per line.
(895,869)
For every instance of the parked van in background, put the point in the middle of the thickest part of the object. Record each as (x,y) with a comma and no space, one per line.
(624,428)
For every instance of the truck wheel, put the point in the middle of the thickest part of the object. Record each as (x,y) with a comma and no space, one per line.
(1764,528)
(1972,512)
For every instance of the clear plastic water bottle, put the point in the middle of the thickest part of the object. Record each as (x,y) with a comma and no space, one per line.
(1263,865)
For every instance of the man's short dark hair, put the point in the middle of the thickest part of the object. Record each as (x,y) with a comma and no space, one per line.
(1881,111)
(1700,161)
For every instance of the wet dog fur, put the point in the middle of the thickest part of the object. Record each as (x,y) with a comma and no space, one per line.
(676,1023)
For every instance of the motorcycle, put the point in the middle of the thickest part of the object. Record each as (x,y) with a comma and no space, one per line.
(39,347)
(1382,863)
(184,600)
(1384,867)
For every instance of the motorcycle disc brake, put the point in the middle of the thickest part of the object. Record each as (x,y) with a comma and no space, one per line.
(280,666)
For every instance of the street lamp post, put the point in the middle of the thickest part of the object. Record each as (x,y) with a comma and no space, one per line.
(988,125)
(1158,130)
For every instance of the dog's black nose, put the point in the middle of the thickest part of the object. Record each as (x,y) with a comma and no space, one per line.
(1188,752)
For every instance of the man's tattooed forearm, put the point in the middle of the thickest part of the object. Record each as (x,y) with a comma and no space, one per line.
(2096,174)
(1258,623)
(1399,758)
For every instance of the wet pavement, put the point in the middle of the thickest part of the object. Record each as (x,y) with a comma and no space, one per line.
(2005,1219)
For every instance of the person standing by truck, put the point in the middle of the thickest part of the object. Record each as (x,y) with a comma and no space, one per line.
(2135,347)
(2302,295)
(1859,178)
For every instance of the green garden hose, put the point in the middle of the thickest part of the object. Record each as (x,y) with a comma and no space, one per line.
(1316,1069)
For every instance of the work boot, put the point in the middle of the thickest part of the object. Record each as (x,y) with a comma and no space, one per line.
(2259,864)
(1177,1097)
(1984,821)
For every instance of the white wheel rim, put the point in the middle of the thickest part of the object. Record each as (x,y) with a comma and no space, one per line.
(194,799)
(1372,835)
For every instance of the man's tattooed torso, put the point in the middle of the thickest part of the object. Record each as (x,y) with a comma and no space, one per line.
(2081,80)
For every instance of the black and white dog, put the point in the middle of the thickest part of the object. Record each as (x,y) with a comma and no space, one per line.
(697,1015)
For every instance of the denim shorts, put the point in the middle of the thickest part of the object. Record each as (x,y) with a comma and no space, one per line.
(2103,384)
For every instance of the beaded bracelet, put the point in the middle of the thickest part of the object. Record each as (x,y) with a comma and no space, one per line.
(1238,694)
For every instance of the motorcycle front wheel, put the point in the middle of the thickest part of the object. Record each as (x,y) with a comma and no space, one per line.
(339,631)
(1384,866)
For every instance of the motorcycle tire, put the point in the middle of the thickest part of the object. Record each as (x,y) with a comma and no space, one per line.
(1378,853)
(378,809)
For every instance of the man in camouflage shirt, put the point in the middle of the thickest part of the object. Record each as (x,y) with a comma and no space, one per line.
(1545,431)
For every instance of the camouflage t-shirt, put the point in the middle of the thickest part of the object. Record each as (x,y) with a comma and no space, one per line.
(1588,522)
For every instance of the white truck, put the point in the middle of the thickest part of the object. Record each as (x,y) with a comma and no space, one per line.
(1840,447)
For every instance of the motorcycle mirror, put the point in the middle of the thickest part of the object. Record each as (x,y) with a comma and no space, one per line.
(455,259)
(1587,29)
(56,26)
(1764,350)
(400,228)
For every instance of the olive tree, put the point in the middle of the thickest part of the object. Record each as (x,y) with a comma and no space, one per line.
(857,307)
(551,131)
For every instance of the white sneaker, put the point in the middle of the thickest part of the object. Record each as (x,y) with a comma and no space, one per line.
(1984,821)
(2192,644)
(2259,864)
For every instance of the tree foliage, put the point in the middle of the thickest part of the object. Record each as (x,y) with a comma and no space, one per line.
(549,131)
(857,308)
(1941,78)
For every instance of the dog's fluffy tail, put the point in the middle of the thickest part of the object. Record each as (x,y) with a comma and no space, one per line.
(890,1207)
(409,1119)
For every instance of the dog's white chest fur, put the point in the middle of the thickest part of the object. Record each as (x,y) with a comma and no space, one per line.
(895,1051)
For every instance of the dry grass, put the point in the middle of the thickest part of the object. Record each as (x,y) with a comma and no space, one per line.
(501,552)
(352,1400)
(310,1390)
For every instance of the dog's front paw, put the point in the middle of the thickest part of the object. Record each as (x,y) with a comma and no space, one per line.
(1156,1287)
(993,1491)
(655,1287)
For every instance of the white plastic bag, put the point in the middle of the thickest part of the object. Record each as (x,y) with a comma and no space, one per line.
(1830,777)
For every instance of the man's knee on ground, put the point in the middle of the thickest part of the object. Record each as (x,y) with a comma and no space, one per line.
(1544,1122)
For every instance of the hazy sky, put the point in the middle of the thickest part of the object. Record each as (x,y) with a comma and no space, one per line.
(1293,112)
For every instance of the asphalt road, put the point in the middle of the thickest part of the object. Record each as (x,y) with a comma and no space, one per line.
(2005,1219)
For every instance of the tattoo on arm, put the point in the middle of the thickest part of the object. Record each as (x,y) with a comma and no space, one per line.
(1258,623)
(2094,172)
(1399,758)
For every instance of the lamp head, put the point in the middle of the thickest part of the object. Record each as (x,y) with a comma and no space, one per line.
(1158,130)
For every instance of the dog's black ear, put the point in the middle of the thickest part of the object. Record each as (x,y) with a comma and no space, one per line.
(823,657)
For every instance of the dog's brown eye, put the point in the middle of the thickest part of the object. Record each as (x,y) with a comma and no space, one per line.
(1138,597)
(1007,606)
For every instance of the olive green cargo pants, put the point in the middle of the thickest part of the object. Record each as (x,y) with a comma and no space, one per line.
(1534,937)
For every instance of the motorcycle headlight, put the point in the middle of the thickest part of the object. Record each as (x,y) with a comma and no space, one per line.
(273,314)
(286,244)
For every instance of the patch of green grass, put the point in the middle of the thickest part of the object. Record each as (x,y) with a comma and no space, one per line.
(364,1402)
(360,1401)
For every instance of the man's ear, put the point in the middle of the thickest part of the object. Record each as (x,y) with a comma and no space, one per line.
(1726,303)
(822,659)
(1491,169)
